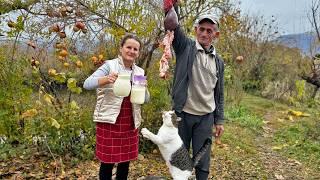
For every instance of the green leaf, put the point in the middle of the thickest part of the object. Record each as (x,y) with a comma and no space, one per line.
(77,90)
(72,86)
(73,58)
(74,105)
(60,78)
(72,83)
(20,23)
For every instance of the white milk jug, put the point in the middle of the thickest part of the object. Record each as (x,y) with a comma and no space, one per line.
(122,85)
(138,90)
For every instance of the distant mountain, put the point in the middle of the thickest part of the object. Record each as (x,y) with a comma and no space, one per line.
(303,41)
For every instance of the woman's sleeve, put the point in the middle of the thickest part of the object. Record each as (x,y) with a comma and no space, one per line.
(92,81)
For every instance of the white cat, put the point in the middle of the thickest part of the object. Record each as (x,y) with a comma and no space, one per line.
(172,149)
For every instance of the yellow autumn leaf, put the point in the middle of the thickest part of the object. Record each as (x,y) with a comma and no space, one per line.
(55,123)
(290,118)
(48,98)
(280,119)
(298,113)
(38,103)
(295,113)
(29,113)
(279,147)
(305,115)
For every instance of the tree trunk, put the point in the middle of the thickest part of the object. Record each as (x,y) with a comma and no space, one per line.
(314,94)
(149,59)
(312,80)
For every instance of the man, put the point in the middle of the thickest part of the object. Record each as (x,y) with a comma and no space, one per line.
(198,85)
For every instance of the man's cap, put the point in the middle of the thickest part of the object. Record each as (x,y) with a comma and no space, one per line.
(209,17)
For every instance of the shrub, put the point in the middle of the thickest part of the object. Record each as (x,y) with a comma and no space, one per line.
(14,98)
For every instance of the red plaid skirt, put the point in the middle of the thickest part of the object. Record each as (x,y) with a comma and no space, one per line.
(118,142)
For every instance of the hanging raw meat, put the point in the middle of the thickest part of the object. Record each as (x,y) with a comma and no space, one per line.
(167,55)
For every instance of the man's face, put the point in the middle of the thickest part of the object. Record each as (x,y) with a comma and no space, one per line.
(206,32)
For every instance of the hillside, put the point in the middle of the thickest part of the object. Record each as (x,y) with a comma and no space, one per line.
(303,41)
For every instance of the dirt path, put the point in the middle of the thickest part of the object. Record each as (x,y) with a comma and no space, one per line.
(276,166)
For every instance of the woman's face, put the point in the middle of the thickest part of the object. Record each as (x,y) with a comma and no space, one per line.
(130,51)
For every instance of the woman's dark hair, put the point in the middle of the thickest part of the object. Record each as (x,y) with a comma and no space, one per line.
(130,36)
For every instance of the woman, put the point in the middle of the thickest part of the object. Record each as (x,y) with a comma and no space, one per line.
(117,119)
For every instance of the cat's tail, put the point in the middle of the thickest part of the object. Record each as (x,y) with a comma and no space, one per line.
(206,145)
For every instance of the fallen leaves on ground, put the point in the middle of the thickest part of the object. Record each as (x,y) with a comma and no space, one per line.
(298,113)
(42,166)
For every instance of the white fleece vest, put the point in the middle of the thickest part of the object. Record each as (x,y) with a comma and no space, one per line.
(108,105)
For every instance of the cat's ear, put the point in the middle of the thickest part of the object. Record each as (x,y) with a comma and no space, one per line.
(174,116)
(175,120)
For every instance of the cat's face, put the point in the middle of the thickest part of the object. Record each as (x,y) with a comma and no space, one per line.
(170,119)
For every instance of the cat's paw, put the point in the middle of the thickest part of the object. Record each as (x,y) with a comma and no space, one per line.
(145,133)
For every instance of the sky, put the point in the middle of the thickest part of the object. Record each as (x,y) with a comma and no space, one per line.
(291,15)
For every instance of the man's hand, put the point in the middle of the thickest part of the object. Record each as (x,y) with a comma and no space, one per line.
(219,130)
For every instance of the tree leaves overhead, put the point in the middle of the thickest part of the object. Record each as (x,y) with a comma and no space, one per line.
(108,20)
(7,6)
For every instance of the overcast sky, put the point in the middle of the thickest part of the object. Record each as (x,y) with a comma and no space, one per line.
(290,14)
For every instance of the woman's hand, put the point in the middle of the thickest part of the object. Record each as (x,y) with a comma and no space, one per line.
(109,79)
(112,77)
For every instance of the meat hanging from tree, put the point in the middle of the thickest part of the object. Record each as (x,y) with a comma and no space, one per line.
(167,55)
(166,43)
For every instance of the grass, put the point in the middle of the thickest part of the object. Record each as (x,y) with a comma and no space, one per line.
(242,116)
(299,138)
(260,106)
(302,140)
(240,157)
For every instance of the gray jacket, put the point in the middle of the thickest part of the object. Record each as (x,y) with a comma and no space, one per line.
(185,50)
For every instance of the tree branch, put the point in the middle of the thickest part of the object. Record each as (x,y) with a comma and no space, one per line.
(314,10)
(112,23)
(7,6)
